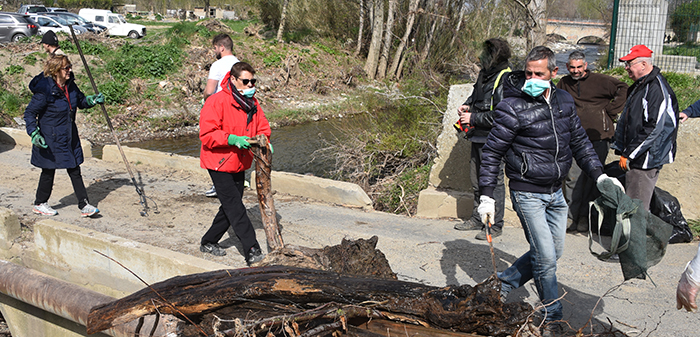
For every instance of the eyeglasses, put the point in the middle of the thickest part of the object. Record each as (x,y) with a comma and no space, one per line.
(630,63)
(245,81)
(66,68)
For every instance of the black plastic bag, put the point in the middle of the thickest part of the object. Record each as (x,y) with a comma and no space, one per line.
(667,207)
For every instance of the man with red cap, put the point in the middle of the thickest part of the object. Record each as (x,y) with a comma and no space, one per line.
(645,137)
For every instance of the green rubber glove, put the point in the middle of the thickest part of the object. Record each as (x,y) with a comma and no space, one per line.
(93,100)
(240,142)
(38,139)
(271,149)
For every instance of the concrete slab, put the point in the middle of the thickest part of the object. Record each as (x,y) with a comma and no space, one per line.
(433,203)
(9,228)
(137,156)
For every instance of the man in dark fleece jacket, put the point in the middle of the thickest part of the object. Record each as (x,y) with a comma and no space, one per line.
(537,132)
(599,99)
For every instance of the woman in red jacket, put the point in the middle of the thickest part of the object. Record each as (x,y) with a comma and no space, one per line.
(228,119)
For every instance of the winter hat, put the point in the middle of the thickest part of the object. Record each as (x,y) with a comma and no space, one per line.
(50,38)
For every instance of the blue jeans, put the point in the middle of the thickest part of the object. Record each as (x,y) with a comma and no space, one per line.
(543,217)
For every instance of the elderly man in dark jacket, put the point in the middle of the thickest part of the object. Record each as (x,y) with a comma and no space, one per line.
(477,115)
(599,99)
(646,132)
(537,132)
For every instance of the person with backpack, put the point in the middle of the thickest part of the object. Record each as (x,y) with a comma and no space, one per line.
(476,118)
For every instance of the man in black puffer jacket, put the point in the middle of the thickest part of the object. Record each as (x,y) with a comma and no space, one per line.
(537,132)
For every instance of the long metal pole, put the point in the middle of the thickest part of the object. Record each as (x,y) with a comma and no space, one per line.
(143,200)
(613,33)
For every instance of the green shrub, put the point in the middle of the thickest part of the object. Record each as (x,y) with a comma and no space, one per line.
(115,92)
(401,196)
(694,225)
(148,62)
(30,59)
(14,69)
(88,47)
(11,104)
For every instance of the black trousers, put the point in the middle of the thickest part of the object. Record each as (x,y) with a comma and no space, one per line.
(579,188)
(43,191)
(232,213)
(499,193)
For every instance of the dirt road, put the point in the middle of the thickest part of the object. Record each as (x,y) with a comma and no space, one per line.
(420,250)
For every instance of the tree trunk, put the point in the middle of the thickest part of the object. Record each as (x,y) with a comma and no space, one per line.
(412,8)
(459,308)
(459,24)
(537,34)
(263,184)
(388,37)
(428,42)
(283,20)
(376,43)
(362,26)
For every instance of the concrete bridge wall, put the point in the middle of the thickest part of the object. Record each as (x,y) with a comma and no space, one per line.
(574,31)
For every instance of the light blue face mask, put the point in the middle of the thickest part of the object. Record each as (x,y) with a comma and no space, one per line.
(535,87)
(248,92)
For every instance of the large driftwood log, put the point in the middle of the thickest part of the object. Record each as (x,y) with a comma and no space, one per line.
(460,308)
(263,184)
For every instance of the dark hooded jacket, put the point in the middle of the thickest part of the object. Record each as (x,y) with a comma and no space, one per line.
(53,112)
(486,95)
(537,139)
(647,128)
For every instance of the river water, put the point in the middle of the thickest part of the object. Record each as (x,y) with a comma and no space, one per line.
(295,146)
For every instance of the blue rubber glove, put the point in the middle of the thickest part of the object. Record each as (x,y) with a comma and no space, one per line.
(93,100)
(38,139)
(240,142)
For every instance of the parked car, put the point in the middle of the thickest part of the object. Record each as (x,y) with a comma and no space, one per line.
(14,26)
(75,19)
(56,24)
(56,9)
(32,9)
(116,24)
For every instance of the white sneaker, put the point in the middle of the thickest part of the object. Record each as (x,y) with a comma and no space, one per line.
(44,209)
(211,193)
(89,210)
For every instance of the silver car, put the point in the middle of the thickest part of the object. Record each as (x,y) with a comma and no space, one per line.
(56,24)
(14,26)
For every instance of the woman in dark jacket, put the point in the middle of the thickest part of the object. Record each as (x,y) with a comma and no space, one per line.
(477,115)
(50,119)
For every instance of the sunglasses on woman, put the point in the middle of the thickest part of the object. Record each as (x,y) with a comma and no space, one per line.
(245,81)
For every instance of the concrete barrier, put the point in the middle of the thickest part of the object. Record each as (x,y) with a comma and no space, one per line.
(137,156)
(21,138)
(336,192)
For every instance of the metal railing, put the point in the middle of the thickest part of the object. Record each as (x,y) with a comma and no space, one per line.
(670,28)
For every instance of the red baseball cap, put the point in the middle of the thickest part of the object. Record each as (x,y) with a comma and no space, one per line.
(639,50)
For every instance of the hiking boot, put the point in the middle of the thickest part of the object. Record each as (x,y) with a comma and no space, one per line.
(44,209)
(211,193)
(469,225)
(89,210)
(552,329)
(495,232)
(254,255)
(212,248)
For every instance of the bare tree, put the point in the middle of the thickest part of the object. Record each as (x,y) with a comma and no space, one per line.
(431,34)
(362,25)
(376,42)
(388,37)
(462,10)
(536,26)
(399,53)
(283,20)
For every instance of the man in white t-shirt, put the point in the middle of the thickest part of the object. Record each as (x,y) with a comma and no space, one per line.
(225,60)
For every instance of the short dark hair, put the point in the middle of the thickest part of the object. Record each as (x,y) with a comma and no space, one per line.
(223,40)
(239,67)
(540,53)
(577,55)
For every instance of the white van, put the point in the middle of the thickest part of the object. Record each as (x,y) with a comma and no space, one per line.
(115,23)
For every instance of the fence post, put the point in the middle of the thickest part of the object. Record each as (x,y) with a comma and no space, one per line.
(613,34)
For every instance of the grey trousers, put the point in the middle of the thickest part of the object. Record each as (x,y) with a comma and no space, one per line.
(639,184)
(499,193)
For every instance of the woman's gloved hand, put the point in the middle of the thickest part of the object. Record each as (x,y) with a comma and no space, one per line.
(240,142)
(93,100)
(38,139)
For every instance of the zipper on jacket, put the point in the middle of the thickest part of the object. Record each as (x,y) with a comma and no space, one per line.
(556,137)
